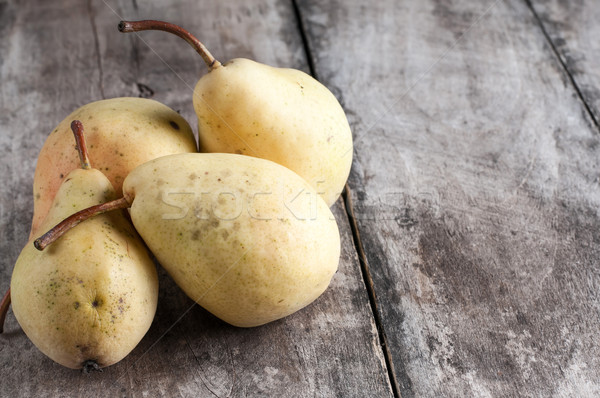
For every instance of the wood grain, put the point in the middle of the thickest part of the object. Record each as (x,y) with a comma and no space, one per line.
(476,192)
(56,56)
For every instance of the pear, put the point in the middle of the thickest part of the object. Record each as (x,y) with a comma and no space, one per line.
(279,114)
(87,301)
(246,238)
(123,133)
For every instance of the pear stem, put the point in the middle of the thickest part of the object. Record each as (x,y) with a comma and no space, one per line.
(84,157)
(65,225)
(138,26)
(4,309)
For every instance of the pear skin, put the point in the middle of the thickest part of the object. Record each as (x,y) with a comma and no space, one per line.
(122,133)
(89,299)
(246,238)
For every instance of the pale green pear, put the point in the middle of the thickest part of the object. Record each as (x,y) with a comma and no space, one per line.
(279,114)
(246,238)
(89,299)
(283,115)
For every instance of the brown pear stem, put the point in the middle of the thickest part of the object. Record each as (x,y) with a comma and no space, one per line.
(84,158)
(61,228)
(138,26)
(4,309)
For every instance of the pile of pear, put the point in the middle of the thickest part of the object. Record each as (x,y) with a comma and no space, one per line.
(243,227)
(89,300)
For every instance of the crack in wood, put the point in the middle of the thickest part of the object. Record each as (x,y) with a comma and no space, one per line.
(97,48)
(346,195)
(197,360)
(564,65)
(368,281)
(369,285)
(304,36)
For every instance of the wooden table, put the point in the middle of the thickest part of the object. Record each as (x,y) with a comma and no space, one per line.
(470,229)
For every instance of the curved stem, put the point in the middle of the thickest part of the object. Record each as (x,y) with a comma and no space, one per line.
(61,228)
(84,158)
(137,26)
(4,309)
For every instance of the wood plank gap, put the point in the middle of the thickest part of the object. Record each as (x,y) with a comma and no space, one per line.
(97,48)
(303,35)
(563,64)
(366,273)
(368,280)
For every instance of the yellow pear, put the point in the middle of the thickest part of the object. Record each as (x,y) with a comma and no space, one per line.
(88,300)
(122,133)
(279,114)
(246,238)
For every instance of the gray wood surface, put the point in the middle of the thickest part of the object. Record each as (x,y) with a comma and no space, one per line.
(572,28)
(475,188)
(56,56)
(471,253)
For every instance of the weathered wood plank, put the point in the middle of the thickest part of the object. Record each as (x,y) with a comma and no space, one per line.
(572,27)
(476,191)
(59,55)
